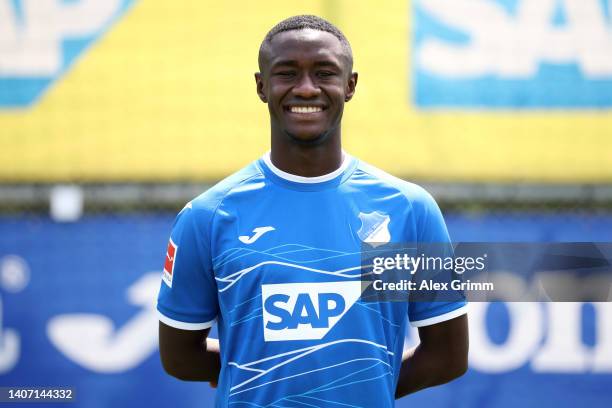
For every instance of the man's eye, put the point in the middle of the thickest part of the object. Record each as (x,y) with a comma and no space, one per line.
(285,73)
(326,74)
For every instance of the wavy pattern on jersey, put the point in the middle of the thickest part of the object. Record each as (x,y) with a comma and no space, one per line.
(299,254)
(316,372)
(370,307)
(322,396)
(235,277)
(245,311)
(269,257)
(255,376)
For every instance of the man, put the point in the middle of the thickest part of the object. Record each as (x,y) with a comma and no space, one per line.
(272,253)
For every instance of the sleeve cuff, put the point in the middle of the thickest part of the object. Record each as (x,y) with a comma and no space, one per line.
(441,318)
(184,325)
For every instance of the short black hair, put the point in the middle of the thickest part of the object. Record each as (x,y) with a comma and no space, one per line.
(306,21)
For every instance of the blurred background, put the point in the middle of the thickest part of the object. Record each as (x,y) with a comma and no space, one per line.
(115,113)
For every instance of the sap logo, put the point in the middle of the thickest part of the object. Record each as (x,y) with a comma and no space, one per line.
(305,311)
(40,39)
(512,45)
(545,53)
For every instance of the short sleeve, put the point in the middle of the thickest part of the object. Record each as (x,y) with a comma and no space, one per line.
(188,293)
(431,228)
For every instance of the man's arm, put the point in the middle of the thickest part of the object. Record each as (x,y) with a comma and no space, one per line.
(439,358)
(187,355)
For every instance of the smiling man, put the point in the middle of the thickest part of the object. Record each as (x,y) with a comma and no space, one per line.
(273,254)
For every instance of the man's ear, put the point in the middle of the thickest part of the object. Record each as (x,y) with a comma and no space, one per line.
(260,86)
(350,86)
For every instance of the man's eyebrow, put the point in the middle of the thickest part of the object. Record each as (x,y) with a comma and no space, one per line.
(291,63)
(327,63)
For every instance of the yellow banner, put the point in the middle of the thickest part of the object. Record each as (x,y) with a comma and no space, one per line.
(168,94)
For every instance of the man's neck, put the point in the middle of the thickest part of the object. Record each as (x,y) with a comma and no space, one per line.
(307,161)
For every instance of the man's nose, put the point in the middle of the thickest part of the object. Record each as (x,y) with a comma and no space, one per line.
(306,88)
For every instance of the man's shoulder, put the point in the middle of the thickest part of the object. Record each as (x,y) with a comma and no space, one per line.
(381,179)
(210,199)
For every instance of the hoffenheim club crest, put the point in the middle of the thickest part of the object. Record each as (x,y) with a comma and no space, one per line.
(374,228)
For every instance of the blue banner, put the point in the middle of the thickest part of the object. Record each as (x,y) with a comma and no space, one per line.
(77,310)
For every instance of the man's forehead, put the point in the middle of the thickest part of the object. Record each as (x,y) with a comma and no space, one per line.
(306,35)
(317,44)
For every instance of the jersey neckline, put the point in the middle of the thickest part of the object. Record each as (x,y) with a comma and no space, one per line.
(329,180)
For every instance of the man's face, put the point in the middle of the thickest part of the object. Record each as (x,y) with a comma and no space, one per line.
(305,80)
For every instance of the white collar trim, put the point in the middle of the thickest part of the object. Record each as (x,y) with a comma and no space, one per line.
(346,160)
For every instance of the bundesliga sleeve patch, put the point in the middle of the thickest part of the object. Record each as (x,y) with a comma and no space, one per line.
(169,263)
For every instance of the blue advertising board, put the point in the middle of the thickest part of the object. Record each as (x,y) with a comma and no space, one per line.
(78,309)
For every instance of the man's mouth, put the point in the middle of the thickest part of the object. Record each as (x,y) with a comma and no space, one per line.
(305,109)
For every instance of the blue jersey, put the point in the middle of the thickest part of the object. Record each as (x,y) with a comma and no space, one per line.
(275,260)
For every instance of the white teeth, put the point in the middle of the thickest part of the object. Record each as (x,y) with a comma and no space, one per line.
(305,109)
